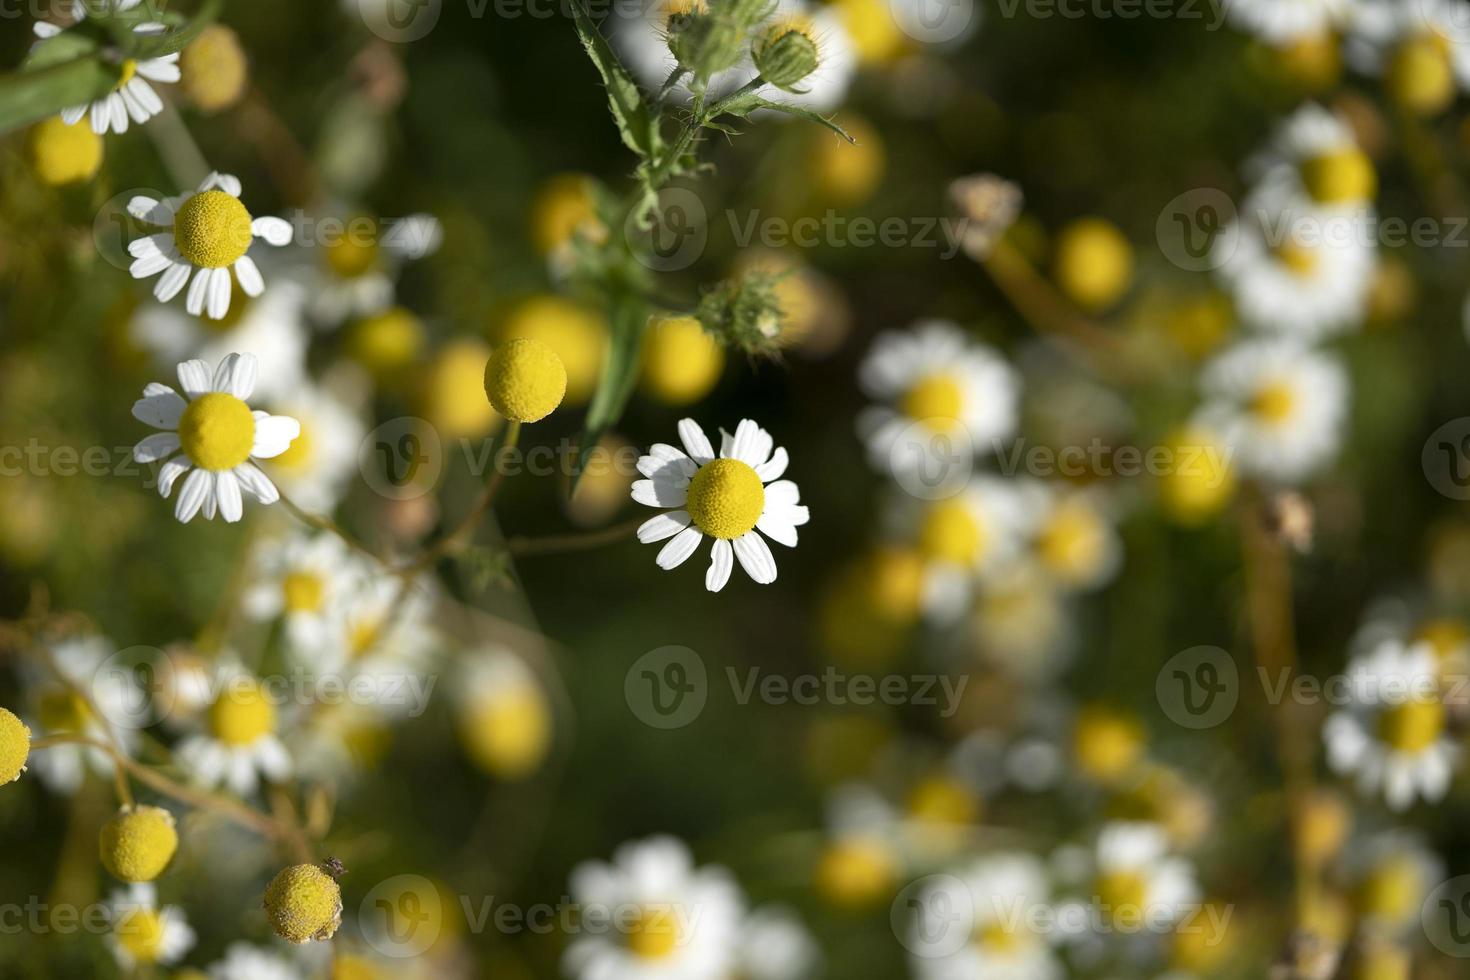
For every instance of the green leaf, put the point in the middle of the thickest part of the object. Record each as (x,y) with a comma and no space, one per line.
(64,47)
(639,128)
(807,114)
(30,96)
(630,314)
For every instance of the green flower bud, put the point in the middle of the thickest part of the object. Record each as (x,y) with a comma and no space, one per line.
(786,53)
(745,312)
(704,43)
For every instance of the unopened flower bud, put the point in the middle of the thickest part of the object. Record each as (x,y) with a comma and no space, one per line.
(786,53)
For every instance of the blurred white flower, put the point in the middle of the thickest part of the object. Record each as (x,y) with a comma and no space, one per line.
(133,98)
(143,934)
(239,743)
(1004,894)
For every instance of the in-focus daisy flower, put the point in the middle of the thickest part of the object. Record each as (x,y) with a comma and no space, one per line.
(1280,22)
(358,270)
(217,435)
(143,934)
(959,396)
(210,234)
(272,327)
(1417,46)
(1278,406)
(301,577)
(727,497)
(674,920)
(504,718)
(321,462)
(1315,151)
(1393,735)
(239,743)
(774,945)
(1393,872)
(133,98)
(243,961)
(109,712)
(1004,895)
(1135,878)
(1293,267)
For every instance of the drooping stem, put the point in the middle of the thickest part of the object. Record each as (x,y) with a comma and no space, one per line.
(562,543)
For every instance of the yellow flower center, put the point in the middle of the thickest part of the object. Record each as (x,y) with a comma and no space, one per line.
(129,68)
(213,69)
(935,400)
(726,498)
(63,154)
(138,843)
(1300,260)
(217,431)
(508,734)
(655,933)
(1340,177)
(943,800)
(242,715)
(303,591)
(1420,76)
(1123,891)
(363,637)
(1392,891)
(1274,403)
(304,902)
(212,230)
(681,362)
(997,938)
(140,932)
(1072,544)
(853,873)
(299,455)
(1107,743)
(525,380)
(1412,726)
(951,533)
(387,341)
(64,712)
(353,254)
(1447,636)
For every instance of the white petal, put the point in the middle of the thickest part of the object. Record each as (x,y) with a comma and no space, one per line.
(253,481)
(276,231)
(721,561)
(249,275)
(659,493)
(228,183)
(169,472)
(119,111)
(772,468)
(151,211)
(198,487)
(134,108)
(160,243)
(171,282)
(101,117)
(160,445)
(755,557)
(696,443)
(273,435)
(240,381)
(159,407)
(752,444)
(73,114)
(147,98)
(198,290)
(776,529)
(663,526)
(678,550)
(227,488)
(782,493)
(219,293)
(160,69)
(45,31)
(194,378)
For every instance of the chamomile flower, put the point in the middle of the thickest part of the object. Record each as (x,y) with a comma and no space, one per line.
(319,465)
(301,577)
(1281,22)
(358,270)
(271,326)
(504,716)
(243,961)
(217,436)
(728,497)
(1393,873)
(1279,406)
(864,852)
(1135,878)
(209,234)
(1417,46)
(1294,267)
(144,934)
(1393,735)
(686,922)
(774,945)
(380,636)
(239,743)
(1074,539)
(133,98)
(1316,153)
(1003,894)
(956,395)
(92,700)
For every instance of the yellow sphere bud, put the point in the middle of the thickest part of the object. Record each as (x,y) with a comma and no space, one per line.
(213,71)
(1420,77)
(1107,743)
(681,362)
(138,843)
(507,733)
(1200,481)
(15,747)
(1093,263)
(304,902)
(855,873)
(576,333)
(846,174)
(452,395)
(1321,826)
(62,154)
(525,380)
(386,343)
(564,207)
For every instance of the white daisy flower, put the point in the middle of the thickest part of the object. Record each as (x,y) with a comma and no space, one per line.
(1279,405)
(1280,22)
(210,233)
(961,539)
(1075,539)
(1393,735)
(1136,880)
(272,326)
(1381,31)
(318,466)
(114,709)
(727,497)
(1392,873)
(1315,153)
(357,272)
(302,577)
(865,848)
(376,641)
(503,715)
(1003,893)
(774,945)
(669,919)
(959,395)
(1293,267)
(220,438)
(339,741)
(1020,623)
(239,744)
(246,962)
(133,98)
(144,935)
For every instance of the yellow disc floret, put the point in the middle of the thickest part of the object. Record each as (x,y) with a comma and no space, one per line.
(507,733)
(1274,403)
(525,380)
(212,69)
(564,207)
(303,591)
(577,333)
(936,400)
(15,747)
(1420,77)
(1413,726)
(139,930)
(217,431)
(62,154)
(304,902)
(681,362)
(726,498)
(654,934)
(138,843)
(1107,743)
(856,872)
(1341,177)
(452,393)
(242,714)
(212,230)
(386,342)
(1094,263)
(951,533)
